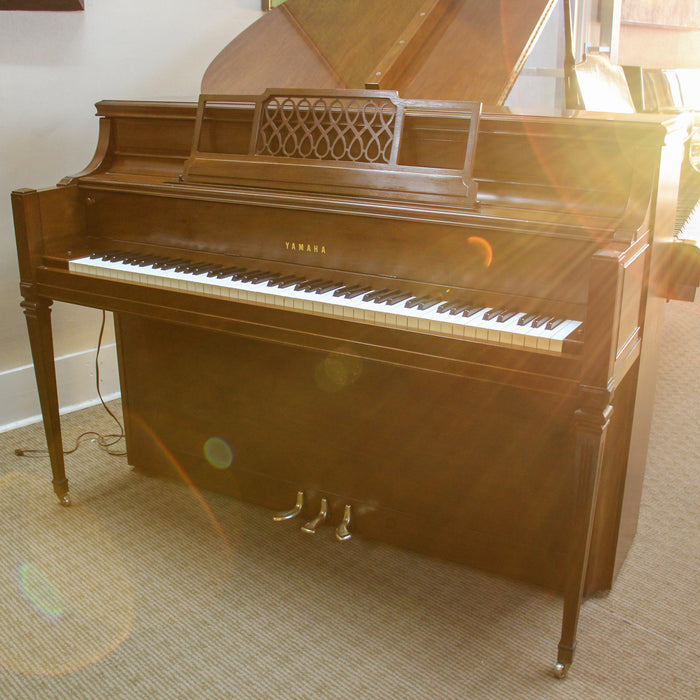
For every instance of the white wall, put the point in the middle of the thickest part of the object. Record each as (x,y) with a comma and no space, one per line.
(54,66)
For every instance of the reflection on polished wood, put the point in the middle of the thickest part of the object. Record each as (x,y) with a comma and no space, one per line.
(424,49)
(508,457)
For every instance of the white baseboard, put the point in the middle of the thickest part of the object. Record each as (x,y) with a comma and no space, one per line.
(75,377)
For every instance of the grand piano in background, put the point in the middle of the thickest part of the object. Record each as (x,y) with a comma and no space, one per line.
(665,91)
(404,316)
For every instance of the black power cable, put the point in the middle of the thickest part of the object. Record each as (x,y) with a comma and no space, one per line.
(105,442)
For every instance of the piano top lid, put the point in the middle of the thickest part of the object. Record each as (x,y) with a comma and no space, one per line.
(424,49)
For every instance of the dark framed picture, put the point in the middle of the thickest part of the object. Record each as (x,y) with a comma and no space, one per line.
(45,5)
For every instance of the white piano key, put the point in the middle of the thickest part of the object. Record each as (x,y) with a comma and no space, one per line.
(473,327)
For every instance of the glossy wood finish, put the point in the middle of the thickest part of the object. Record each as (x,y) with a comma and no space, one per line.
(346,427)
(358,136)
(512,460)
(37,311)
(437,49)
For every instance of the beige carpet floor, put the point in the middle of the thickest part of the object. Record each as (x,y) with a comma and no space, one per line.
(147,589)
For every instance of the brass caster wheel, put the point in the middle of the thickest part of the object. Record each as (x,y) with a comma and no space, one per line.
(64,499)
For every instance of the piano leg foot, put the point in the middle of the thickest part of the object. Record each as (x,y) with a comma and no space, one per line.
(289,514)
(313,525)
(561,670)
(60,488)
(565,657)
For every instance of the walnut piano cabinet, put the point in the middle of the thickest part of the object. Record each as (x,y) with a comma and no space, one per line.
(515,457)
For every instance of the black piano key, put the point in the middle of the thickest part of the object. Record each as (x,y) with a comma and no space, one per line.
(346,289)
(397,298)
(197,268)
(284,282)
(385,296)
(114,256)
(527,318)
(551,325)
(422,303)
(320,286)
(251,275)
(225,272)
(170,264)
(493,313)
(186,266)
(447,306)
(458,307)
(506,316)
(352,291)
(327,287)
(101,254)
(375,294)
(238,276)
(307,285)
(141,260)
(259,279)
(104,255)
(151,261)
(541,320)
(471,310)
(206,267)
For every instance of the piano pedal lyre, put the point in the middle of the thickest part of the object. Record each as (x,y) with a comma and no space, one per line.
(342,532)
(312,525)
(293,512)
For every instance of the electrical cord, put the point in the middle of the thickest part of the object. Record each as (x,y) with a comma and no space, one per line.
(106,441)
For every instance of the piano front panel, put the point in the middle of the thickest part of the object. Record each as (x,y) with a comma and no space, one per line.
(455,467)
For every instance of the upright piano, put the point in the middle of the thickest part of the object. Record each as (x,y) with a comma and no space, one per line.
(411,318)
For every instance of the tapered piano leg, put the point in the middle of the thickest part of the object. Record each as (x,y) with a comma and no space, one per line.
(592,421)
(38,315)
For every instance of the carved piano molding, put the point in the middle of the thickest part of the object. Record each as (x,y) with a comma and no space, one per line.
(329,128)
(334,140)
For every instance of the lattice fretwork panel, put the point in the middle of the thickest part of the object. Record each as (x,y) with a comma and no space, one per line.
(328,128)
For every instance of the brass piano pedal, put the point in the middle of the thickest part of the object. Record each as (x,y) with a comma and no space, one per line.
(289,514)
(342,532)
(312,525)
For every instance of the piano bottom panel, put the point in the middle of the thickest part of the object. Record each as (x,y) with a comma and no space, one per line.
(453,467)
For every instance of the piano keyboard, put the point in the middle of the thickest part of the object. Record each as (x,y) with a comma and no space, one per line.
(392,308)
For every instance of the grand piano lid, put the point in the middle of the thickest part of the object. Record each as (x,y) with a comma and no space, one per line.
(424,49)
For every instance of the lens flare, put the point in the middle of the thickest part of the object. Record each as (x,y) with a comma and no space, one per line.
(40,592)
(60,611)
(337,371)
(218,453)
(483,248)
